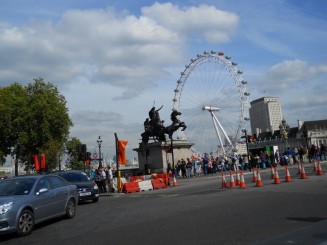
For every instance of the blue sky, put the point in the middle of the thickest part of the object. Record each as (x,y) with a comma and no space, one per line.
(113,59)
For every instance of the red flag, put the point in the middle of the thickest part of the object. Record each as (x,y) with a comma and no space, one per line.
(36,162)
(121,151)
(43,161)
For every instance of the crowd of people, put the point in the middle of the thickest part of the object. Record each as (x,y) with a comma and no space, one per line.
(209,164)
(103,177)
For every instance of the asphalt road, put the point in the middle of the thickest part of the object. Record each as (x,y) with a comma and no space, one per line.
(199,211)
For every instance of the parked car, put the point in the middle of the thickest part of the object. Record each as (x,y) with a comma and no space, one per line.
(28,200)
(87,188)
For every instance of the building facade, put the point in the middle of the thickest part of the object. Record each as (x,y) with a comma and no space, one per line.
(265,114)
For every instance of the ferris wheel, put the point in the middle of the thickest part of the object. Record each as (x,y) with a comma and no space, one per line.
(212,97)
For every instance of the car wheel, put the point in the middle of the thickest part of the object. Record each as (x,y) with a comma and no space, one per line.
(70,209)
(25,223)
(96,199)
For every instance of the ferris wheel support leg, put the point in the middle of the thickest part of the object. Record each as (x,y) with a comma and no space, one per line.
(221,128)
(217,131)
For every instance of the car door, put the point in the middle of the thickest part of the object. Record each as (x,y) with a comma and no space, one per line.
(60,186)
(45,200)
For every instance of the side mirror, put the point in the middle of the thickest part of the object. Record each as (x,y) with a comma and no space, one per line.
(42,190)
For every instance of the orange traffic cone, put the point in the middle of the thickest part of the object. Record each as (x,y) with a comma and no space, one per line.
(259,181)
(238,180)
(320,172)
(299,168)
(223,182)
(272,172)
(303,175)
(255,178)
(174,181)
(242,183)
(288,176)
(315,166)
(232,182)
(276,179)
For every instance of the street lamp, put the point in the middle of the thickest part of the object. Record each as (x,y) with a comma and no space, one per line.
(284,129)
(247,147)
(99,141)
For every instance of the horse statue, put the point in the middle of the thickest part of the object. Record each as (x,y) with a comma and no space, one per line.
(154,128)
(176,124)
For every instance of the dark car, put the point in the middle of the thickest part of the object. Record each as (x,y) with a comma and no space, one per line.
(28,200)
(87,189)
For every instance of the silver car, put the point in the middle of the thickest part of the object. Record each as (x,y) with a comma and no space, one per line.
(28,200)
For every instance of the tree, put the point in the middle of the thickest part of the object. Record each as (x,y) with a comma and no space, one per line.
(13,104)
(40,122)
(72,154)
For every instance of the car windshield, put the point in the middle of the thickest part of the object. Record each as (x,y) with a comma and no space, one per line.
(15,186)
(75,177)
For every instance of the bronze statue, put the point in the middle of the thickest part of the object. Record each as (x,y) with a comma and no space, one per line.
(154,128)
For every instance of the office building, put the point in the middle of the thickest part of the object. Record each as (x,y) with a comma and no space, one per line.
(265,115)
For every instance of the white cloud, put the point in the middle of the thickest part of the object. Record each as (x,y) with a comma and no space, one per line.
(215,25)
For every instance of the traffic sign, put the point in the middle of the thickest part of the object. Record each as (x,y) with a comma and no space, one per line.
(95,156)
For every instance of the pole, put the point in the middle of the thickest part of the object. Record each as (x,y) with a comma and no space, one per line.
(117,163)
(172,151)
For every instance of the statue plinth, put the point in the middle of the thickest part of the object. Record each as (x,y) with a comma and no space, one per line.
(160,154)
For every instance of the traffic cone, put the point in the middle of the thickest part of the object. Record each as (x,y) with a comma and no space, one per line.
(174,181)
(259,181)
(319,172)
(238,180)
(288,176)
(242,183)
(299,168)
(303,175)
(223,182)
(315,166)
(272,172)
(255,178)
(232,182)
(276,179)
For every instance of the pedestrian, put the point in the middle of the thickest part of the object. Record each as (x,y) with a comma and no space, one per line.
(322,153)
(205,161)
(189,167)
(195,166)
(110,179)
(183,168)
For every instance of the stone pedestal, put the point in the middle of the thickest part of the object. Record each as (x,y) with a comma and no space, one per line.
(159,156)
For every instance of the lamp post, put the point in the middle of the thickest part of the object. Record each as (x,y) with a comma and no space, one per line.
(99,141)
(247,147)
(284,129)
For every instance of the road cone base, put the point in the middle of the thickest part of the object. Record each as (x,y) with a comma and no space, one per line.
(259,184)
(320,172)
(277,181)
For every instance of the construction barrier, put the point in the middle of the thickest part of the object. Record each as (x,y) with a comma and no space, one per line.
(158,184)
(114,184)
(145,185)
(164,177)
(136,178)
(131,187)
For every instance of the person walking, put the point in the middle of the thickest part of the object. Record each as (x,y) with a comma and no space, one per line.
(189,168)
(205,161)
(183,168)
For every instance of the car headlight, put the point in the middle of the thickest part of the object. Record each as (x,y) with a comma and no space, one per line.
(95,187)
(4,208)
